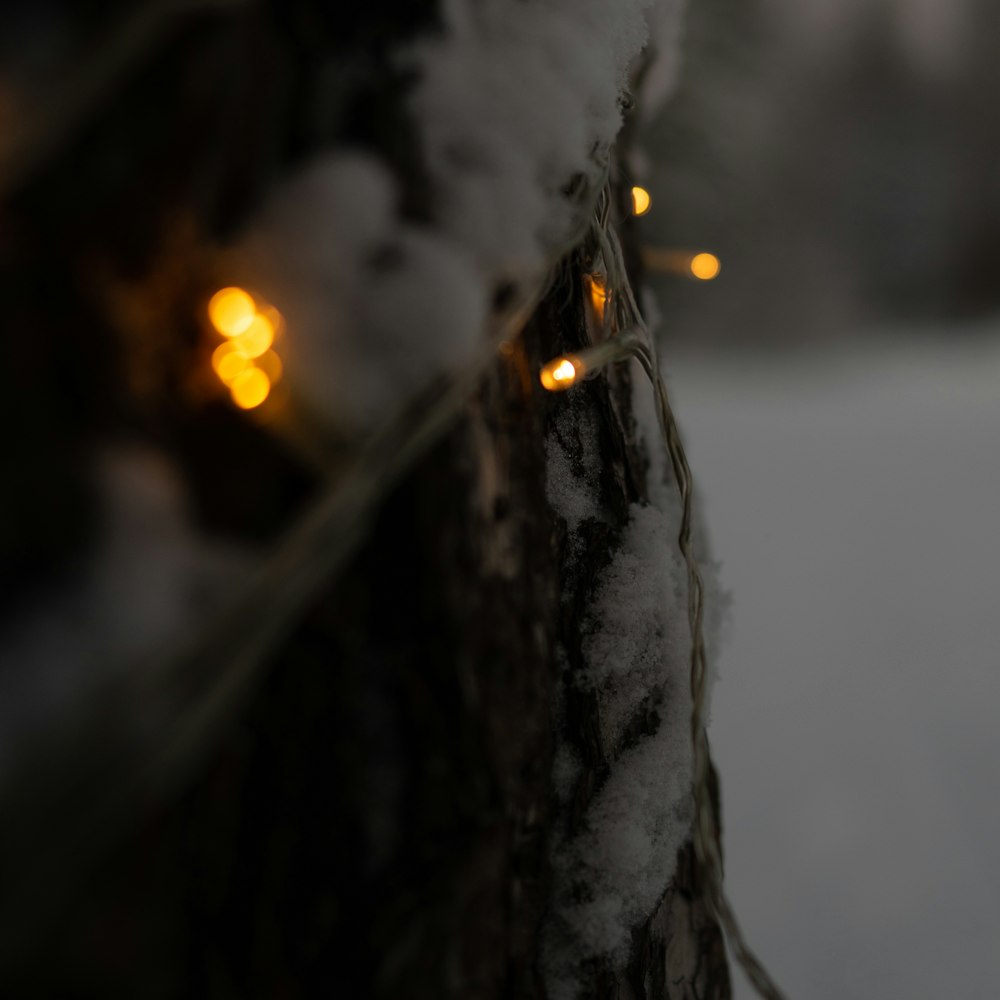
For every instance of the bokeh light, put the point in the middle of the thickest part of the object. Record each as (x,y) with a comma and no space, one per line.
(705,266)
(250,388)
(257,337)
(642,201)
(231,311)
(560,373)
(228,362)
(598,294)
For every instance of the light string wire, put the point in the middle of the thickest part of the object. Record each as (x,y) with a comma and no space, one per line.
(325,537)
(630,334)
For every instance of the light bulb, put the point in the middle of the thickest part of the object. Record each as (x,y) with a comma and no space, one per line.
(560,373)
(231,311)
(642,201)
(257,338)
(705,266)
(250,388)
(598,295)
(228,361)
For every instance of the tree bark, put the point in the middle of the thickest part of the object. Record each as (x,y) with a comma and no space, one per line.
(378,816)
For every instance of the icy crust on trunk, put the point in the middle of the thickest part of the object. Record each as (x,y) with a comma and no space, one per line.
(611,874)
(515,104)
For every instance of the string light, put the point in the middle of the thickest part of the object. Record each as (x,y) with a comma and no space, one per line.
(635,342)
(257,338)
(705,266)
(567,370)
(250,388)
(562,372)
(228,362)
(244,361)
(598,295)
(231,311)
(642,200)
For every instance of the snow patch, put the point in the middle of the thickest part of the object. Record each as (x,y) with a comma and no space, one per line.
(636,646)
(636,633)
(375,306)
(513,103)
(572,467)
(611,875)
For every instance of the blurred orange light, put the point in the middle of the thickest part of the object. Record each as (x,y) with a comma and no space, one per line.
(250,388)
(257,337)
(642,201)
(231,311)
(598,294)
(705,266)
(228,362)
(560,373)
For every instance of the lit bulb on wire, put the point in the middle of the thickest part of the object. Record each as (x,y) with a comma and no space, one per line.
(245,362)
(562,372)
(701,266)
(705,266)
(642,200)
(599,295)
(231,311)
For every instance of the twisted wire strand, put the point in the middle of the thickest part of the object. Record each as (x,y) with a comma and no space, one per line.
(629,328)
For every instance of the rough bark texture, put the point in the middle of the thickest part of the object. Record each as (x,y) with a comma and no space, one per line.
(377,819)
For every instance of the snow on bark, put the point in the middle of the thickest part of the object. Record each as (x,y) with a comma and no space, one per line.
(611,874)
(513,104)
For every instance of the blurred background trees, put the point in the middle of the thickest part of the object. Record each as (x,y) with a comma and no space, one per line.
(842,158)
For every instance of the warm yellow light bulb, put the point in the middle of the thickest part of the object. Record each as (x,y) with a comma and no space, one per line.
(250,388)
(642,201)
(228,362)
(256,338)
(705,266)
(231,311)
(561,373)
(598,294)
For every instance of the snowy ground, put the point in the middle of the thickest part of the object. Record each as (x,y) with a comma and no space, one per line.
(854,501)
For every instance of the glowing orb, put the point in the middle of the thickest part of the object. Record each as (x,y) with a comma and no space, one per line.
(250,388)
(231,311)
(642,201)
(705,266)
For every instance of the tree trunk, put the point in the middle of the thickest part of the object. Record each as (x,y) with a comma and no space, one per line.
(376,813)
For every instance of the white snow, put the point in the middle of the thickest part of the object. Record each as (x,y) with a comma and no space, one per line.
(853,494)
(375,307)
(571,488)
(512,102)
(636,648)
(635,635)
